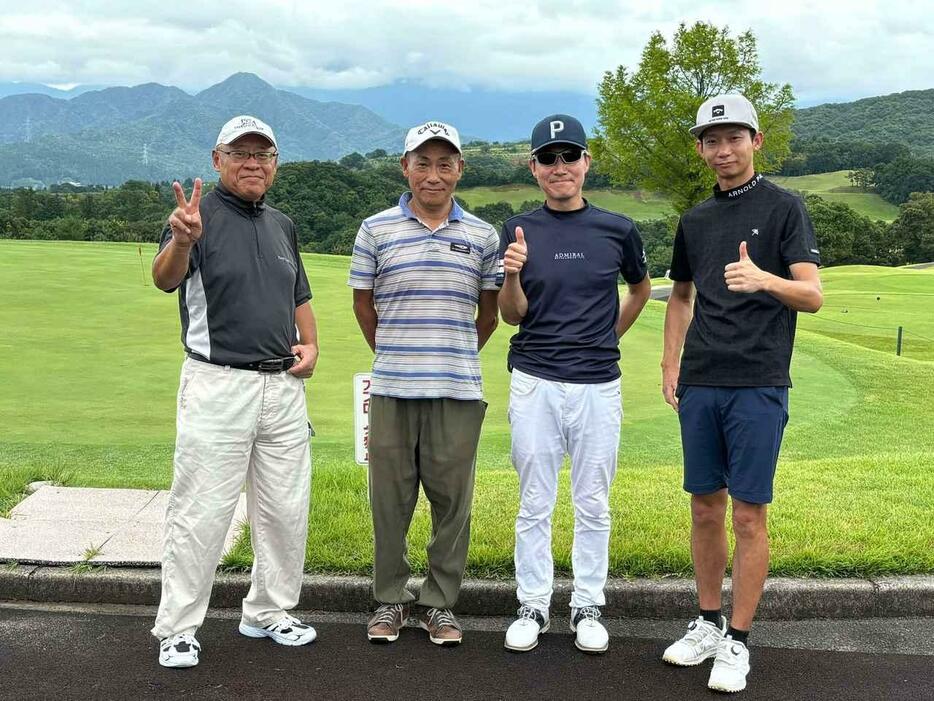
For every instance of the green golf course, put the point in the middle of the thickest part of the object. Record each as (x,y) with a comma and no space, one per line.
(90,358)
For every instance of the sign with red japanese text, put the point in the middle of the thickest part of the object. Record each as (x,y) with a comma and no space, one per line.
(361,417)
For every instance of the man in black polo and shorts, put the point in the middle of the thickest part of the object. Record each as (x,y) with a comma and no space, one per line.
(749,253)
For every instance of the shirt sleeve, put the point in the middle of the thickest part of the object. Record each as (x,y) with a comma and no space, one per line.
(633,267)
(302,288)
(194,253)
(492,262)
(680,270)
(798,242)
(363,260)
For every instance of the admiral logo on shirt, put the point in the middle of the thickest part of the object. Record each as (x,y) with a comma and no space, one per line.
(569,255)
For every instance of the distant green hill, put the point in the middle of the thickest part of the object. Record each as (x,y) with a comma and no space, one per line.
(904,118)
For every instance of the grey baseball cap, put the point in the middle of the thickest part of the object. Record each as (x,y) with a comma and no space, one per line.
(725,109)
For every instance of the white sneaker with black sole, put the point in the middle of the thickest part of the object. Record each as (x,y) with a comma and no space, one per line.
(522,634)
(730,666)
(288,630)
(179,651)
(592,637)
(700,643)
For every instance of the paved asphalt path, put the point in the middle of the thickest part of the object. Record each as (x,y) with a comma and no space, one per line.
(84,654)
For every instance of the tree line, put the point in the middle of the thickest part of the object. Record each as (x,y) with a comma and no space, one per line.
(328,201)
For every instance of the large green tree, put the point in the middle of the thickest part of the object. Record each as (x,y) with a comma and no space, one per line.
(643,116)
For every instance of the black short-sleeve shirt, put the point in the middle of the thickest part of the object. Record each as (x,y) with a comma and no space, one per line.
(737,339)
(571,282)
(245,279)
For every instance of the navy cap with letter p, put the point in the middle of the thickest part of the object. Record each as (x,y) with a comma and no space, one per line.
(558,129)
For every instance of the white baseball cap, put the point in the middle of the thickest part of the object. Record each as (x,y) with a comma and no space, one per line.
(431,130)
(725,109)
(243,125)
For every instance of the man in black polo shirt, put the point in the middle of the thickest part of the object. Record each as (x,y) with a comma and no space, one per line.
(749,253)
(242,295)
(562,264)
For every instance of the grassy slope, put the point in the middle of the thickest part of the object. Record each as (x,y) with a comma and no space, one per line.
(90,364)
(640,206)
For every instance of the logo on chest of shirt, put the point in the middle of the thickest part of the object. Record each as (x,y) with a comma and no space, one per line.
(570,255)
(287,261)
(755,232)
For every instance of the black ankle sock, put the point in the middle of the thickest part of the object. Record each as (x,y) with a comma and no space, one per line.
(739,636)
(712,616)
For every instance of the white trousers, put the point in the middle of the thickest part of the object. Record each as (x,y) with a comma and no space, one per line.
(235,426)
(550,420)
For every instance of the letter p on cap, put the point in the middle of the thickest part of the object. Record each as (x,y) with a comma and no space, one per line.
(555,127)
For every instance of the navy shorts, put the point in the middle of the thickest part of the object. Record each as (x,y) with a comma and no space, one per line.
(731,437)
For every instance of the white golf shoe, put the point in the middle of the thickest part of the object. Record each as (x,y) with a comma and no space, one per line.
(730,666)
(700,643)
(592,637)
(522,634)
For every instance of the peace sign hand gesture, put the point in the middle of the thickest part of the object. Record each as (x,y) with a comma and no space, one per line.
(185,220)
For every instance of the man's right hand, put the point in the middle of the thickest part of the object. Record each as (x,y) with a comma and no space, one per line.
(185,220)
(670,376)
(516,254)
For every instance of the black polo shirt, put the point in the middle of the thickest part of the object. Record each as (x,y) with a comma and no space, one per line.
(738,339)
(245,279)
(571,282)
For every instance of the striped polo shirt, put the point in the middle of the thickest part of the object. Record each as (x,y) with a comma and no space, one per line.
(426,285)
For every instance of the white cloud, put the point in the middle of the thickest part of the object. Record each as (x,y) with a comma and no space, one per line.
(825,50)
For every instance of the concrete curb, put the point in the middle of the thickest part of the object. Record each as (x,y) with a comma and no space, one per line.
(783,599)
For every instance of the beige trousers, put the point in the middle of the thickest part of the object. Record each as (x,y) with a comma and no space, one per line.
(235,426)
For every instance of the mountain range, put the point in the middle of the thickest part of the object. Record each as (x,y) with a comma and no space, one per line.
(155,132)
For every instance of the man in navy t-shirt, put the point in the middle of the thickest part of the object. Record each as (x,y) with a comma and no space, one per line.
(562,264)
(750,255)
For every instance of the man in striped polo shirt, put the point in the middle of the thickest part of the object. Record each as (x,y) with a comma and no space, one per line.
(424,279)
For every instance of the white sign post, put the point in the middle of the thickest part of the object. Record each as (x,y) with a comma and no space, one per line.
(361,417)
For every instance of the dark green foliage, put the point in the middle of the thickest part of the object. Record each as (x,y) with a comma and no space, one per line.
(824,155)
(895,181)
(913,231)
(848,238)
(495,213)
(904,118)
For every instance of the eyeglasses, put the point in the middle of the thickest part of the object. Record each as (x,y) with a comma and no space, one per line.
(238,156)
(568,156)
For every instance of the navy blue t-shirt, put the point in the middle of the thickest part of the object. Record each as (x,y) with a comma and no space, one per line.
(571,282)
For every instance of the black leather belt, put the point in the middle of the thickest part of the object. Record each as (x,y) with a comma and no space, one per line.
(270,366)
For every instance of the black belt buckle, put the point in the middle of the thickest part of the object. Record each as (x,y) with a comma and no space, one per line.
(275,365)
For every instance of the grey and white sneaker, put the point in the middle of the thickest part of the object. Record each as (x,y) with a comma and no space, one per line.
(730,666)
(179,650)
(522,634)
(288,630)
(591,637)
(700,643)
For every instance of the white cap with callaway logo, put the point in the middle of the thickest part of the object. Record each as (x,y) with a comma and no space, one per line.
(725,109)
(431,130)
(243,125)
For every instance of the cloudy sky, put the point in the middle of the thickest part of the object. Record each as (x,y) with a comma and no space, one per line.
(829,50)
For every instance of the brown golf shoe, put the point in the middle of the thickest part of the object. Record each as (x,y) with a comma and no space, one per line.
(442,627)
(386,622)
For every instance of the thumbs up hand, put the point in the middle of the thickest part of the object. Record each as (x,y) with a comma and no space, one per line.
(744,275)
(516,254)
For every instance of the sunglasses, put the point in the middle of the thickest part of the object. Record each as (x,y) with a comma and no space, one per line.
(568,156)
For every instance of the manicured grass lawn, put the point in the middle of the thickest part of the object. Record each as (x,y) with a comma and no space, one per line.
(834,187)
(866,304)
(89,369)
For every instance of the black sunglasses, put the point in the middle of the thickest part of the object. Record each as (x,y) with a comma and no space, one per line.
(549,158)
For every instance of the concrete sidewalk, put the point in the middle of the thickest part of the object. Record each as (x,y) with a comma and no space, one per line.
(70,525)
(62,526)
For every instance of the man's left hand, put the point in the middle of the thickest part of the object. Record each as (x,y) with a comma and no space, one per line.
(307,359)
(744,275)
